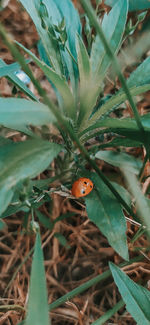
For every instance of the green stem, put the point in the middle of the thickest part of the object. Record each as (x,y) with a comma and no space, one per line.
(89,284)
(93,20)
(72,57)
(12,307)
(109,313)
(63,122)
(143,166)
(138,234)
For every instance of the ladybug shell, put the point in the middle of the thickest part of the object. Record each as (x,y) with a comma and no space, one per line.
(82,187)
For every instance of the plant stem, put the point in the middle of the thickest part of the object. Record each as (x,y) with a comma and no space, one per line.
(72,57)
(12,307)
(94,22)
(138,234)
(143,166)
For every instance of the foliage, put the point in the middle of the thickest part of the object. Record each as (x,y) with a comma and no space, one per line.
(133,5)
(37,310)
(79,113)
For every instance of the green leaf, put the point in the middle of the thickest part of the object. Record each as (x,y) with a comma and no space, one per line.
(12,209)
(19,114)
(72,20)
(46,222)
(64,17)
(136,297)
(57,80)
(119,158)
(87,99)
(138,82)
(113,103)
(99,59)
(2,225)
(141,75)
(123,192)
(133,4)
(141,203)
(73,27)
(113,26)
(17,82)
(43,184)
(121,142)
(62,239)
(4,141)
(83,63)
(110,312)
(49,43)
(106,212)
(37,310)
(5,69)
(126,127)
(22,160)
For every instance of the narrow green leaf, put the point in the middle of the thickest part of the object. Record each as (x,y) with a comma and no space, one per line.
(138,82)
(123,192)
(121,142)
(115,101)
(119,158)
(109,314)
(49,43)
(21,160)
(136,297)
(133,5)
(99,60)
(2,225)
(73,27)
(80,289)
(62,240)
(19,113)
(125,127)
(59,82)
(37,311)
(113,26)
(12,209)
(141,203)
(7,69)
(87,99)
(4,141)
(83,62)
(106,212)
(46,222)
(17,82)
(72,21)
(141,75)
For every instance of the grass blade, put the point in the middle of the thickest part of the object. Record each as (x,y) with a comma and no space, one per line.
(136,297)
(37,312)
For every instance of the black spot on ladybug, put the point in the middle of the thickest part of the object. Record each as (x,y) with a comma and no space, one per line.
(85,182)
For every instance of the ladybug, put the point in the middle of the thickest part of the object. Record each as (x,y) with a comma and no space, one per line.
(82,187)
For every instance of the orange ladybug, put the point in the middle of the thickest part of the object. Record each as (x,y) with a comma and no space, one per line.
(82,187)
